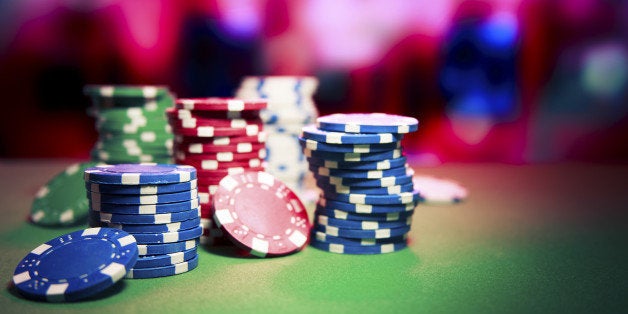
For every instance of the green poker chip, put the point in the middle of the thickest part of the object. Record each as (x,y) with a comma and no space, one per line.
(62,201)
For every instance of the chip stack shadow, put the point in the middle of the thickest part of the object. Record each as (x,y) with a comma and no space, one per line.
(367,198)
(131,124)
(157,204)
(217,136)
(290,107)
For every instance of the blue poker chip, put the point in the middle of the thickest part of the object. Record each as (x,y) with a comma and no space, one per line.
(313,133)
(384,199)
(347,148)
(368,165)
(341,214)
(367,123)
(166,248)
(76,265)
(146,209)
(322,237)
(150,199)
(368,183)
(138,174)
(136,219)
(353,157)
(164,271)
(364,208)
(361,234)
(162,260)
(386,190)
(357,249)
(358,174)
(361,225)
(168,237)
(156,228)
(141,189)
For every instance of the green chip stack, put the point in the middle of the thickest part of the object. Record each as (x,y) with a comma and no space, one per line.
(131,123)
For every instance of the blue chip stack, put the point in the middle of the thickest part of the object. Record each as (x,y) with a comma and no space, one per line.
(290,107)
(157,204)
(368,197)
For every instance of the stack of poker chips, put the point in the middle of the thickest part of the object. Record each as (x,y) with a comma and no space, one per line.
(367,196)
(131,124)
(157,204)
(290,107)
(218,136)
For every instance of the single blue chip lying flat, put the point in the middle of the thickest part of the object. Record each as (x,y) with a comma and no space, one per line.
(165,259)
(166,248)
(323,237)
(341,214)
(147,209)
(367,123)
(353,157)
(157,228)
(361,225)
(367,183)
(76,265)
(347,148)
(136,219)
(169,270)
(366,208)
(385,190)
(150,199)
(136,174)
(384,199)
(368,165)
(362,234)
(358,174)
(141,189)
(353,249)
(313,133)
(168,237)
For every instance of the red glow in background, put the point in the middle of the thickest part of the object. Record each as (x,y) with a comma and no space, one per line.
(559,94)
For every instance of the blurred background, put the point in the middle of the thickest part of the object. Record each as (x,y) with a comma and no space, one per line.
(512,81)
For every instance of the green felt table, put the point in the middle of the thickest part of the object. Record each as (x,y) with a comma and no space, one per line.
(538,238)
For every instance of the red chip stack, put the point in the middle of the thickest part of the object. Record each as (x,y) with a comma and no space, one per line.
(218,136)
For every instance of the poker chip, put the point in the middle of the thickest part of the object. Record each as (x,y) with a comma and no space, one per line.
(151,261)
(220,156)
(220,104)
(222,140)
(366,208)
(169,214)
(361,234)
(128,114)
(323,237)
(168,237)
(341,189)
(346,215)
(348,148)
(211,131)
(76,265)
(367,123)
(131,219)
(170,270)
(290,107)
(198,148)
(368,183)
(311,132)
(357,249)
(353,157)
(151,199)
(260,214)
(215,164)
(373,165)
(370,199)
(439,191)
(140,189)
(133,174)
(166,248)
(320,171)
(157,228)
(361,225)
(62,201)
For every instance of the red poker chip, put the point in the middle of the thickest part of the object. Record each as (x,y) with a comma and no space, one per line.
(222,140)
(261,214)
(220,104)
(225,172)
(200,114)
(199,148)
(210,131)
(180,156)
(231,123)
(214,165)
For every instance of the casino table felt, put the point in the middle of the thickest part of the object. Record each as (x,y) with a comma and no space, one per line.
(539,238)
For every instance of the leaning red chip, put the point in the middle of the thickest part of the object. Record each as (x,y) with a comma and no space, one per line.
(261,214)
(220,104)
